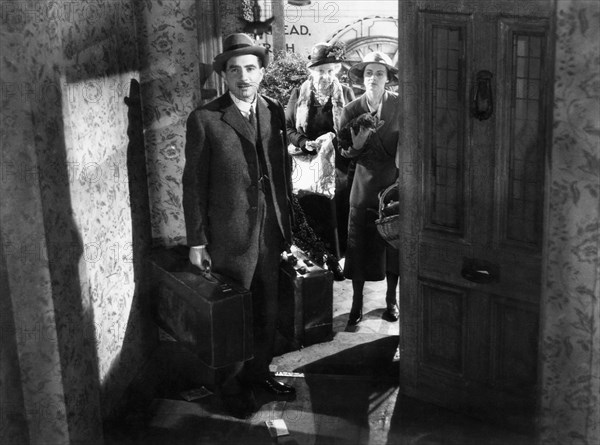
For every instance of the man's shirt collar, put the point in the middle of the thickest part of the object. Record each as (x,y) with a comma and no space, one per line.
(244,106)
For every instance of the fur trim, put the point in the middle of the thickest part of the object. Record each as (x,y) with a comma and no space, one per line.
(305,101)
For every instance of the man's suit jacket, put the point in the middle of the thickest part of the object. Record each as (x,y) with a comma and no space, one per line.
(220,182)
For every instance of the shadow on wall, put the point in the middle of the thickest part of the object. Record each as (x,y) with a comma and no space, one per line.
(141,336)
(96,332)
(104,120)
(73,314)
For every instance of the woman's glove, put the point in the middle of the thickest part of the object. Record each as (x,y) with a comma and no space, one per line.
(312,147)
(359,139)
(358,142)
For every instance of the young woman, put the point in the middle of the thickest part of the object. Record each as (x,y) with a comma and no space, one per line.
(374,151)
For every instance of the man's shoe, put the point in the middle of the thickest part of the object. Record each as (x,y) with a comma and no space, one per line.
(391,312)
(275,386)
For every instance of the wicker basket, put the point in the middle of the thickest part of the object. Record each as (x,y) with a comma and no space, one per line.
(388,226)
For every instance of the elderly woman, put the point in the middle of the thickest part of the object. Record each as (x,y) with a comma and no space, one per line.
(314,110)
(374,150)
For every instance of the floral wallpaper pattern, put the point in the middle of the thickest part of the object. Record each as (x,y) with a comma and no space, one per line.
(570,349)
(67,228)
(22,130)
(168,42)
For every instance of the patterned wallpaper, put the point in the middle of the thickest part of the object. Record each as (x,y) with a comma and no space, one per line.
(570,402)
(67,223)
(168,43)
(24,131)
(101,59)
(233,12)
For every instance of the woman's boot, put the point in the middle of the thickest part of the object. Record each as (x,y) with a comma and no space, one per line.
(391,311)
(357,303)
(356,311)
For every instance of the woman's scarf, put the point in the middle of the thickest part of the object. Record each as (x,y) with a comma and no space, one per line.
(334,91)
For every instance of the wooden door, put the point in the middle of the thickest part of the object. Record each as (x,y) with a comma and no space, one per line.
(476,95)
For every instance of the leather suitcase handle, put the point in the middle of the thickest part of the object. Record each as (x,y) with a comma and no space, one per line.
(209,276)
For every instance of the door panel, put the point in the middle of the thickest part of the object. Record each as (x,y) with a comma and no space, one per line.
(522,90)
(444,40)
(472,183)
(513,332)
(443,334)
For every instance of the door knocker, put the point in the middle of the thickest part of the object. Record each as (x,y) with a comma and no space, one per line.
(482,104)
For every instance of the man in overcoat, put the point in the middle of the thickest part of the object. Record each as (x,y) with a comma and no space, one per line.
(236,200)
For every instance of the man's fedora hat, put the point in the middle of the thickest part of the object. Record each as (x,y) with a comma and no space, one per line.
(323,53)
(239,44)
(357,71)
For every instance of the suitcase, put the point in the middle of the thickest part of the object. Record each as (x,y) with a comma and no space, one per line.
(305,304)
(208,314)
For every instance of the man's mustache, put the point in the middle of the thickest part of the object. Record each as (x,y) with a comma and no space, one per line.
(246,84)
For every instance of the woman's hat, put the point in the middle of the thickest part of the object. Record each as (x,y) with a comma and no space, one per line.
(239,44)
(357,71)
(323,53)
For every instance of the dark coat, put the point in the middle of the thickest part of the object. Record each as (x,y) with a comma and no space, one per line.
(220,182)
(375,170)
(375,165)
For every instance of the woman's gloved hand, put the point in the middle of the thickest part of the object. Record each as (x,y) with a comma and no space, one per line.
(312,147)
(359,139)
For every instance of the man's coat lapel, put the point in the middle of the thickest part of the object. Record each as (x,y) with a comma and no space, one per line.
(234,118)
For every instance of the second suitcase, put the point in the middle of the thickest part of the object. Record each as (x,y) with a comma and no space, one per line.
(305,304)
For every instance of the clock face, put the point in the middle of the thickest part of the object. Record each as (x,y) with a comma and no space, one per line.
(359,48)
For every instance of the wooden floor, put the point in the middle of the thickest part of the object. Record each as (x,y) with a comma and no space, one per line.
(347,393)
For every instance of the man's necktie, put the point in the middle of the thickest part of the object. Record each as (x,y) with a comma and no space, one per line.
(262,162)
(252,118)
